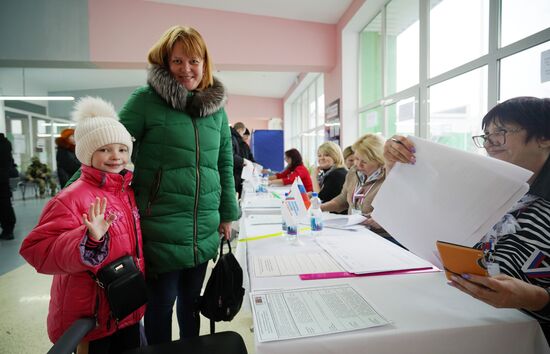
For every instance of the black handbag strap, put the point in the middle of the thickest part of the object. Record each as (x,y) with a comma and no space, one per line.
(221,245)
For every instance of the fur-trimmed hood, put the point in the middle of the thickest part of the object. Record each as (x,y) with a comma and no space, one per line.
(199,104)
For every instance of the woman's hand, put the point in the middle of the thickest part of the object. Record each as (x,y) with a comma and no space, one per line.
(95,219)
(398,149)
(225,229)
(502,291)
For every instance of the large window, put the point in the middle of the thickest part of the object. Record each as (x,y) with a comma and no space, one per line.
(520,74)
(459,32)
(308,119)
(433,68)
(454,117)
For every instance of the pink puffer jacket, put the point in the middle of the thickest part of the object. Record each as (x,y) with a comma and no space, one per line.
(55,246)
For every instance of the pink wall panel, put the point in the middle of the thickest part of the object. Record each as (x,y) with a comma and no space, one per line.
(254,112)
(122,31)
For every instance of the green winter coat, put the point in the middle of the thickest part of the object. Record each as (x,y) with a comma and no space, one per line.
(183,177)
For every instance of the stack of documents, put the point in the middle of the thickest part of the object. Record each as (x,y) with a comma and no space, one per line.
(448,195)
(307,312)
(370,253)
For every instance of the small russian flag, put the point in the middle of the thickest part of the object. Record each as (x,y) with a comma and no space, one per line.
(303,192)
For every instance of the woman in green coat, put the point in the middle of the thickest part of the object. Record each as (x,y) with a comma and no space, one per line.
(183,178)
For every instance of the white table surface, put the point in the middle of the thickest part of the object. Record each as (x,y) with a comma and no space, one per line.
(428,316)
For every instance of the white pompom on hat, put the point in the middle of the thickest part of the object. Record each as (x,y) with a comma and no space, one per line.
(97,125)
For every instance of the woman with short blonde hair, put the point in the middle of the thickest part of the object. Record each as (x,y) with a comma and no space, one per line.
(329,175)
(362,181)
(349,159)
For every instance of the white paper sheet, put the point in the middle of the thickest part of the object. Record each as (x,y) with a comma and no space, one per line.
(248,170)
(307,312)
(343,221)
(262,219)
(449,195)
(363,254)
(254,203)
(294,264)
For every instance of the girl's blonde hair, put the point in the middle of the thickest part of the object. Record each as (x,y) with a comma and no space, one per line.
(333,150)
(193,46)
(370,146)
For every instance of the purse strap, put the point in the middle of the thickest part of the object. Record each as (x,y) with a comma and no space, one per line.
(221,245)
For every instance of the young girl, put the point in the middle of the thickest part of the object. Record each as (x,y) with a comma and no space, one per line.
(87,225)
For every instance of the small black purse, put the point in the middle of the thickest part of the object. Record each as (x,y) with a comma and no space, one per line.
(124,286)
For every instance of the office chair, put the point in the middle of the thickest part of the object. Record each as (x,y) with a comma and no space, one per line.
(72,336)
(218,343)
(222,342)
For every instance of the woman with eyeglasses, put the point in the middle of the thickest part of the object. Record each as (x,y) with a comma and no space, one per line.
(516,131)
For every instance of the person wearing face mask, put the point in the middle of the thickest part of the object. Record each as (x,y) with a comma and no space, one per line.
(329,175)
(184,182)
(363,182)
(516,131)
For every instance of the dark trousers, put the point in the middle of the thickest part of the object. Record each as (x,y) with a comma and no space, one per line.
(185,285)
(120,341)
(7,215)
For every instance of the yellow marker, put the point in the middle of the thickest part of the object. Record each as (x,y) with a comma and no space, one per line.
(276,234)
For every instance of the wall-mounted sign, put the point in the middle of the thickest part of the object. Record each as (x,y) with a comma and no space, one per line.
(332,122)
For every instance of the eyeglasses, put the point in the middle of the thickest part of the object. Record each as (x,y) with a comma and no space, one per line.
(496,138)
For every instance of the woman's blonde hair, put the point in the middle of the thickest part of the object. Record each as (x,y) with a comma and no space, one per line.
(347,152)
(333,150)
(370,146)
(193,46)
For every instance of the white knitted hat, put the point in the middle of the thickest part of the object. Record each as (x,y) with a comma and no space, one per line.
(97,125)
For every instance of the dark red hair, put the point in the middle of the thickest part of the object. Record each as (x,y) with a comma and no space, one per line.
(295,159)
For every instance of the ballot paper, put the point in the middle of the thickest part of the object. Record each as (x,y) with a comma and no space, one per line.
(449,195)
(294,264)
(308,312)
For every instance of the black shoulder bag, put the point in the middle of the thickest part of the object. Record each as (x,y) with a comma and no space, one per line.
(124,285)
(224,292)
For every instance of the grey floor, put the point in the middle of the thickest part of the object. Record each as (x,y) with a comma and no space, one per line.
(24,294)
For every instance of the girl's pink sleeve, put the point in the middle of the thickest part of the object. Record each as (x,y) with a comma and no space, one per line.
(53,246)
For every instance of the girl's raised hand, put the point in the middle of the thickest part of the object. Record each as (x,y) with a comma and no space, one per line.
(95,219)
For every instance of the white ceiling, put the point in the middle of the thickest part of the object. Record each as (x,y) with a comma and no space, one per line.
(324,11)
(249,83)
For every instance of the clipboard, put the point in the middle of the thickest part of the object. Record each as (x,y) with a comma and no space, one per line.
(458,259)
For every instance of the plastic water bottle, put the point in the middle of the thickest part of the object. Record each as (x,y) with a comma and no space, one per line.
(283,225)
(316,215)
(265,182)
(292,233)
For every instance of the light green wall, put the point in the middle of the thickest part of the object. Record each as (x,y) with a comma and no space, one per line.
(43,30)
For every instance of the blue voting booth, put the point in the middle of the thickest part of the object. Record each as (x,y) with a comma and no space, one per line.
(268,148)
